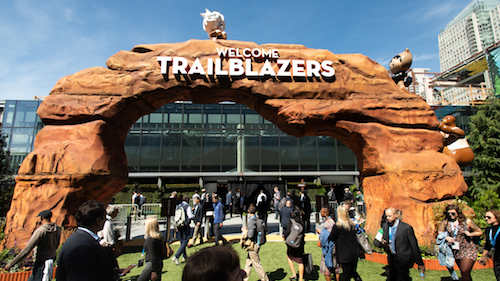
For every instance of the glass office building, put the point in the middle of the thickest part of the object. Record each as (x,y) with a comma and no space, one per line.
(185,142)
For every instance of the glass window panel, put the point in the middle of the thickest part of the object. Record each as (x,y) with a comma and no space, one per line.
(327,154)
(175,118)
(252,118)
(150,148)
(211,151)
(191,150)
(21,140)
(132,149)
(229,150)
(289,153)
(25,113)
(8,114)
(156,117)
(194,118)
(347,160)
(308,154)
(251,152)
(214,119)
(170,151)
(270,150)
(233,118)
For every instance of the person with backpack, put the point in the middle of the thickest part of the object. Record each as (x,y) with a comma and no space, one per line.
(257,234)
(328,265)
(294,237)
(183,214)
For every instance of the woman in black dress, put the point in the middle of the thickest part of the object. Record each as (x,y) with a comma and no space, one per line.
(344,236)
(295,254)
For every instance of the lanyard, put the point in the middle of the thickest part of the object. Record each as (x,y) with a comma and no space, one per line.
(454,229)
(494,241)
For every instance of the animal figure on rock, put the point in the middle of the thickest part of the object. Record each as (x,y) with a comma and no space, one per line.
(214,25)
(399,65)
(456,145)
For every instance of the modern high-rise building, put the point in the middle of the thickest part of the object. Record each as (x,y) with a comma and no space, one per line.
(474,29)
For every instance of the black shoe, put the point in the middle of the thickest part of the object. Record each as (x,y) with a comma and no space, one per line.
(293,278)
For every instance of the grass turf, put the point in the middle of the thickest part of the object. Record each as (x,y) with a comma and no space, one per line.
(273,259)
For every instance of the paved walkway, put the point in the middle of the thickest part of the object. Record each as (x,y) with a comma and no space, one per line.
(231,230)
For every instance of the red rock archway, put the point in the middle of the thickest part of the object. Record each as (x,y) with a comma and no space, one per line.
(79,154)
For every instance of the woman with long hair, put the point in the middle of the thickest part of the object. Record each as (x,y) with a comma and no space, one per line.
(492,238)
(153,246)
(461,232)
(344,236)
(295,254)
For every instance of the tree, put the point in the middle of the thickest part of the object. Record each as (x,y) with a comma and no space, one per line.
(6,182)
(484,139)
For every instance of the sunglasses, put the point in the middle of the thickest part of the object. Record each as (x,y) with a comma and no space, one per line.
(452,213)
(488,217)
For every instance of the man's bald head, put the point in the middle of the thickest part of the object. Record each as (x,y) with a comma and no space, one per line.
(391,215)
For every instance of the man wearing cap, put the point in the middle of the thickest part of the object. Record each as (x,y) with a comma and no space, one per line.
(46,239)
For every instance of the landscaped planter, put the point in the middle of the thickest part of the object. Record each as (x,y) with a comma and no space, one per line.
(430,264)
(19,276)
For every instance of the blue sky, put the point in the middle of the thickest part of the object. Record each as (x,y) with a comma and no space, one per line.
(43,41)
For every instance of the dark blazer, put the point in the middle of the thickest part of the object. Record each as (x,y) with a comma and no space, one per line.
(198,215)
(83,259)
(407,251)
(285,214)
(347,246)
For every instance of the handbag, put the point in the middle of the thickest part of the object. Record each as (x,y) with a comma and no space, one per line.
(364,243)
(166,250)
(308,260)
(140,262)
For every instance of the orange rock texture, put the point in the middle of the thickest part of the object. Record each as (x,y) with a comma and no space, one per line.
(79,154)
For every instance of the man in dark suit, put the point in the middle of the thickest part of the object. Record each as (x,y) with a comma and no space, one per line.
(285,214)
(81,257)
(306,208)
(401,245)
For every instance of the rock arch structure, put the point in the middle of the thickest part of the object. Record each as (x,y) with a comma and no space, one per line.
(79,154)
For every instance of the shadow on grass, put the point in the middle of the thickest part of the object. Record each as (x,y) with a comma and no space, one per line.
(135,277)
(278,274)
(314,275)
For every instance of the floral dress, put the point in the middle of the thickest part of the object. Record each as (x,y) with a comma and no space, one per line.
(468,249)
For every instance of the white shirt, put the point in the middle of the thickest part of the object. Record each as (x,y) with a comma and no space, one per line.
(261,198)
(107,234)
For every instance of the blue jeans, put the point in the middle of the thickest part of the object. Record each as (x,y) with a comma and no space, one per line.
(183,236)
(276,209)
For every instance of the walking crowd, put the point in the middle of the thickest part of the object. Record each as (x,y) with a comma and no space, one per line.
(90,252)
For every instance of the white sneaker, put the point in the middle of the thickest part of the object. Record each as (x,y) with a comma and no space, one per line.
(175,260)
(183,259)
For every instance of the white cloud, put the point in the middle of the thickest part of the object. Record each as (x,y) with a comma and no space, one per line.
(424,57)
(440,10)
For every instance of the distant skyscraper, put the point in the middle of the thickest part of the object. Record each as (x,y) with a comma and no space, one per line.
(420,84)
(474,29)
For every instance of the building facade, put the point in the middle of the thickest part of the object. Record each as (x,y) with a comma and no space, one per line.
(473,30)
(188,142)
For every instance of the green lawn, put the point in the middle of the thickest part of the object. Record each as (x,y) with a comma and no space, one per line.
(273,258)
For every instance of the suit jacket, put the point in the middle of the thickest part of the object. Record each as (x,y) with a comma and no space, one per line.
(83,259)
(407,251)
(347,246)
(198,215)
(285,214)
